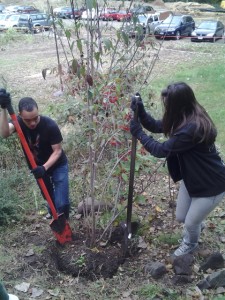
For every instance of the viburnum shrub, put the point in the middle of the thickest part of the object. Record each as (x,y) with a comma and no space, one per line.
(98,82)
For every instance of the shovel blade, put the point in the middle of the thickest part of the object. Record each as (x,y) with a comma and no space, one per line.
(61,229)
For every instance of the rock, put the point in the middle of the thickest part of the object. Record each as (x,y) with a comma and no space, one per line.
(215,261)
(85,206)
(156,269)
(182,265)
(203,284)
(181,279)
(214,280)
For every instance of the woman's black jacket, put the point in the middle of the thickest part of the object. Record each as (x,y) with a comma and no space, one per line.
(198,164)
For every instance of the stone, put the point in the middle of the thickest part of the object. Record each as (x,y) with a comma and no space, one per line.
(182,265)
(155,269)
(215,261)
(181,279)
(85,206)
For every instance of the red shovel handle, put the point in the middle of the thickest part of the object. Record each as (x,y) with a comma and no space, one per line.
(32,161)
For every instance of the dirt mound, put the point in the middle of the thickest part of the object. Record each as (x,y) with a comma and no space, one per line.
(158,3)
(186,8)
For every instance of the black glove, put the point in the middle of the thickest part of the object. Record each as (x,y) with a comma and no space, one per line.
(38,172)
(5,99)
(135,128)
(136,101)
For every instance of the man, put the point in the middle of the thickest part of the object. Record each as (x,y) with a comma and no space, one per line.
(44,140)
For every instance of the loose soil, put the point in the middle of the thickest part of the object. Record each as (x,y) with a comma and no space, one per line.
(28,250)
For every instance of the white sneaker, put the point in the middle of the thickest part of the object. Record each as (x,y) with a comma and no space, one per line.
(13,297)
(185,248)
(48,216)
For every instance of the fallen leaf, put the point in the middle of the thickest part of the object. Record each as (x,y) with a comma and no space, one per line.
(23,287)
(36,292)
(30,252)
(54,292)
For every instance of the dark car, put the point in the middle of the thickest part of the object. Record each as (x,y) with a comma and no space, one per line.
(67,12)
(76,13)
(140,10)
(36,22)
(27,10)
(208,31)
(175,26)
(63,12)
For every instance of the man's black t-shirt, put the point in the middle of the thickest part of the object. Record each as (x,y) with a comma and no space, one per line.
(41,139)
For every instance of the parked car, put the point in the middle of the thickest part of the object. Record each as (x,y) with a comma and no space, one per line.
(140,10)
(11,9)
(35,21)
(107,14)
(122,15)
(12,21)
(77,12)
(140,25)
(2,7)
(63,12)
(208,30)
(27,21)
(91,14)
(27,10)
(175,26)
(3,20)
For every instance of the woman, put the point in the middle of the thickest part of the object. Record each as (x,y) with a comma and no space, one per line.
(191,157)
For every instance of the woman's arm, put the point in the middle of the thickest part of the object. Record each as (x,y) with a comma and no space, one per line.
(152,125)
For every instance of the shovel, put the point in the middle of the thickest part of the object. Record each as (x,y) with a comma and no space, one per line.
(130,227)
(59,224)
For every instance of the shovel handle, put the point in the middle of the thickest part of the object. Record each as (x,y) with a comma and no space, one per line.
(31,160)
(131,179)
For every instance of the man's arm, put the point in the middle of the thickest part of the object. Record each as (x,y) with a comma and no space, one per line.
(6,128)
(57,151)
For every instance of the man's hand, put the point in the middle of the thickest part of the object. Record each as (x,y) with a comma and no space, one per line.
(38,172)
(5,99)
(136,102)
(135,128)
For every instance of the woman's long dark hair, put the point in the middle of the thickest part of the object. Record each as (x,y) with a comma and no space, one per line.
(181,108)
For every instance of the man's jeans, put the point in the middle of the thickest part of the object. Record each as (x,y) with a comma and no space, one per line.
(57,184)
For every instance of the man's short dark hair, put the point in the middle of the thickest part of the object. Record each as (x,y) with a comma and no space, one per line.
(27,104)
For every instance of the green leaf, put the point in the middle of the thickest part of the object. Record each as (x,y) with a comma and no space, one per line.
(125,38)
(79,45)
(107,44)
(90,94)
(71,46)
(68,33)
(140,199)
(74,66)
(124,176)
(97,56)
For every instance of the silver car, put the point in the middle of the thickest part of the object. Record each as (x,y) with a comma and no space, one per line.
(3,21)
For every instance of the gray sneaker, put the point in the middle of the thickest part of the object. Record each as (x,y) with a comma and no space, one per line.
(185,248)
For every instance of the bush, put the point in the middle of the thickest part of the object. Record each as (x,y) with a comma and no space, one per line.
(12,186)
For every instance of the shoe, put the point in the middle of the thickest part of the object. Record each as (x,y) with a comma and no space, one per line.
(185,248)
(13,297)
(48,216)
